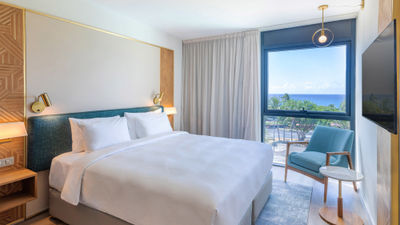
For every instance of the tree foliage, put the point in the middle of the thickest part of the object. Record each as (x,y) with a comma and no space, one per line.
(304,125)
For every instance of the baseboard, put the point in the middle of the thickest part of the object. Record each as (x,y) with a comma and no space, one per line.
(371,220)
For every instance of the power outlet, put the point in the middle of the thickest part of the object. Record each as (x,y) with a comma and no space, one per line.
(7,162)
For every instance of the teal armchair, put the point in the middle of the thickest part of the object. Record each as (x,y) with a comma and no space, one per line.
(327,146)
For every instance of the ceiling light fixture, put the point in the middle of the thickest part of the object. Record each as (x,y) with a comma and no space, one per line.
(323,37)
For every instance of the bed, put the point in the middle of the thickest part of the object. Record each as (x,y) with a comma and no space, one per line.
(172,179)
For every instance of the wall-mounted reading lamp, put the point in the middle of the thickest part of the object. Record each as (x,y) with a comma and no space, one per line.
(158,98)
(38,106)
(11,130)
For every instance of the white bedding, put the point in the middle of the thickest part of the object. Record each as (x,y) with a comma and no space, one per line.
(60,166)
(170,179)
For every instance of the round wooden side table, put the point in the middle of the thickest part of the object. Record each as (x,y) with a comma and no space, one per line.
(338,216)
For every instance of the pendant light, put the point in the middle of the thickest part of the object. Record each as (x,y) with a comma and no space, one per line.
(323,37)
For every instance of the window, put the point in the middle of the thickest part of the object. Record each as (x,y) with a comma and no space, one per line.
(309,79)
(304,86)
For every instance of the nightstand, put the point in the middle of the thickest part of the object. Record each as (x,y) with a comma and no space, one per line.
(28,192)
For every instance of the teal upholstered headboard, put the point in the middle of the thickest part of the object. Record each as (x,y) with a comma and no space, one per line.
(49,136)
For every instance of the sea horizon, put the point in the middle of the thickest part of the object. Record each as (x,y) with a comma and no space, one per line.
(319,99)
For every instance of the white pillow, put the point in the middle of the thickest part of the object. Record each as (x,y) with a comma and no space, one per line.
(78,141)
(105,133)
(131,118)
(152,124)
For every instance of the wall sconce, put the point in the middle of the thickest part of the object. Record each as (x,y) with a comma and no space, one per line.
(38,106)
(170,110)
(11,130)
(158,98)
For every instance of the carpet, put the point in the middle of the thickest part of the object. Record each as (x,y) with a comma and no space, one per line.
(288,204)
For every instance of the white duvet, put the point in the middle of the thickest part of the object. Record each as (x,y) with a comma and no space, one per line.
(171,179)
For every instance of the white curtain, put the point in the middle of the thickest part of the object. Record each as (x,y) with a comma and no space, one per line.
(221,86)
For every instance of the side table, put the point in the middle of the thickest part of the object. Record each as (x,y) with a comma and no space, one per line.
(337,216)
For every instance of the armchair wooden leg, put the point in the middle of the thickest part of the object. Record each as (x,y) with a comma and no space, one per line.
(285,172)
(325,188)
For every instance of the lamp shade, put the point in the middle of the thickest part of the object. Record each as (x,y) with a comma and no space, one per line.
(170,110)
(12,130)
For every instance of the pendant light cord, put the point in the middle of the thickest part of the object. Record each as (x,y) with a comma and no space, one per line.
(323,19)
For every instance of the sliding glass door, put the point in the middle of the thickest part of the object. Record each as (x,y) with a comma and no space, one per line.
(304,87)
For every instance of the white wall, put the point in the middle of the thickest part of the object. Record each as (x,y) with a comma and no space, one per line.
(366,131)
(85,70)
(90,13)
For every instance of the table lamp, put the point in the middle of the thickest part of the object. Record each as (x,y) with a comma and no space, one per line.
(11,130)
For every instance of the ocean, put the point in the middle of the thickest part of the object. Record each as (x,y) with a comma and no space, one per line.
(324,100)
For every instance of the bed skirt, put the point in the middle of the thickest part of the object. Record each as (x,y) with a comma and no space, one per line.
(81,214)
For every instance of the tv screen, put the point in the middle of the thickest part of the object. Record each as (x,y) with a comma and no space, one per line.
(379,81)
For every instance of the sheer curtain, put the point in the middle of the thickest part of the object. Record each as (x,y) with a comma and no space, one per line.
(221,86)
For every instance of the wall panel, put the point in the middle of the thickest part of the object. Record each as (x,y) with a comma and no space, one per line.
(83,69)
(167,79)
(385,14)
(12,91)
(388,147)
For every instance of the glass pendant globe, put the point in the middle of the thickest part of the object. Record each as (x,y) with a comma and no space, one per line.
(322,39)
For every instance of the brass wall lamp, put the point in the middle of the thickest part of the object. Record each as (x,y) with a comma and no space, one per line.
(158,98)
(38,106)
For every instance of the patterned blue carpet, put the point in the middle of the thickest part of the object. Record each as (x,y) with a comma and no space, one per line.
(288,205)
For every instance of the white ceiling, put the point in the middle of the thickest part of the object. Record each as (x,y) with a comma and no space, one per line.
(188,19)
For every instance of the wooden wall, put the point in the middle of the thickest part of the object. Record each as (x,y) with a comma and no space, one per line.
(12,92)
(385,14)
(167,79)
(388,144)
(395,160)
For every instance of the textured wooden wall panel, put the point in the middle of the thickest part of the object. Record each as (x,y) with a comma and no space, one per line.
(12,83)
(167,79)
(11,64)
(12,91)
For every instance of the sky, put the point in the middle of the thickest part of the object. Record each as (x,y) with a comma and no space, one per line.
(308,71)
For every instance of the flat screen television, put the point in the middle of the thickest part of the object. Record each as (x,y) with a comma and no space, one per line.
(379,80)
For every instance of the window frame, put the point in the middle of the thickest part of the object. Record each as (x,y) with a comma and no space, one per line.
(308,114)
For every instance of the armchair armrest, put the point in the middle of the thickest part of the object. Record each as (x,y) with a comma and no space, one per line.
(297,142)
(347,154)
(289,143)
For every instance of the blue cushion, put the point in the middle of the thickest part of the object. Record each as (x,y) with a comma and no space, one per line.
(331,139)
(310,160)
(311,172)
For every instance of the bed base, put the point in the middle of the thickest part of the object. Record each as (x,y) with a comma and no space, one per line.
(81,214)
